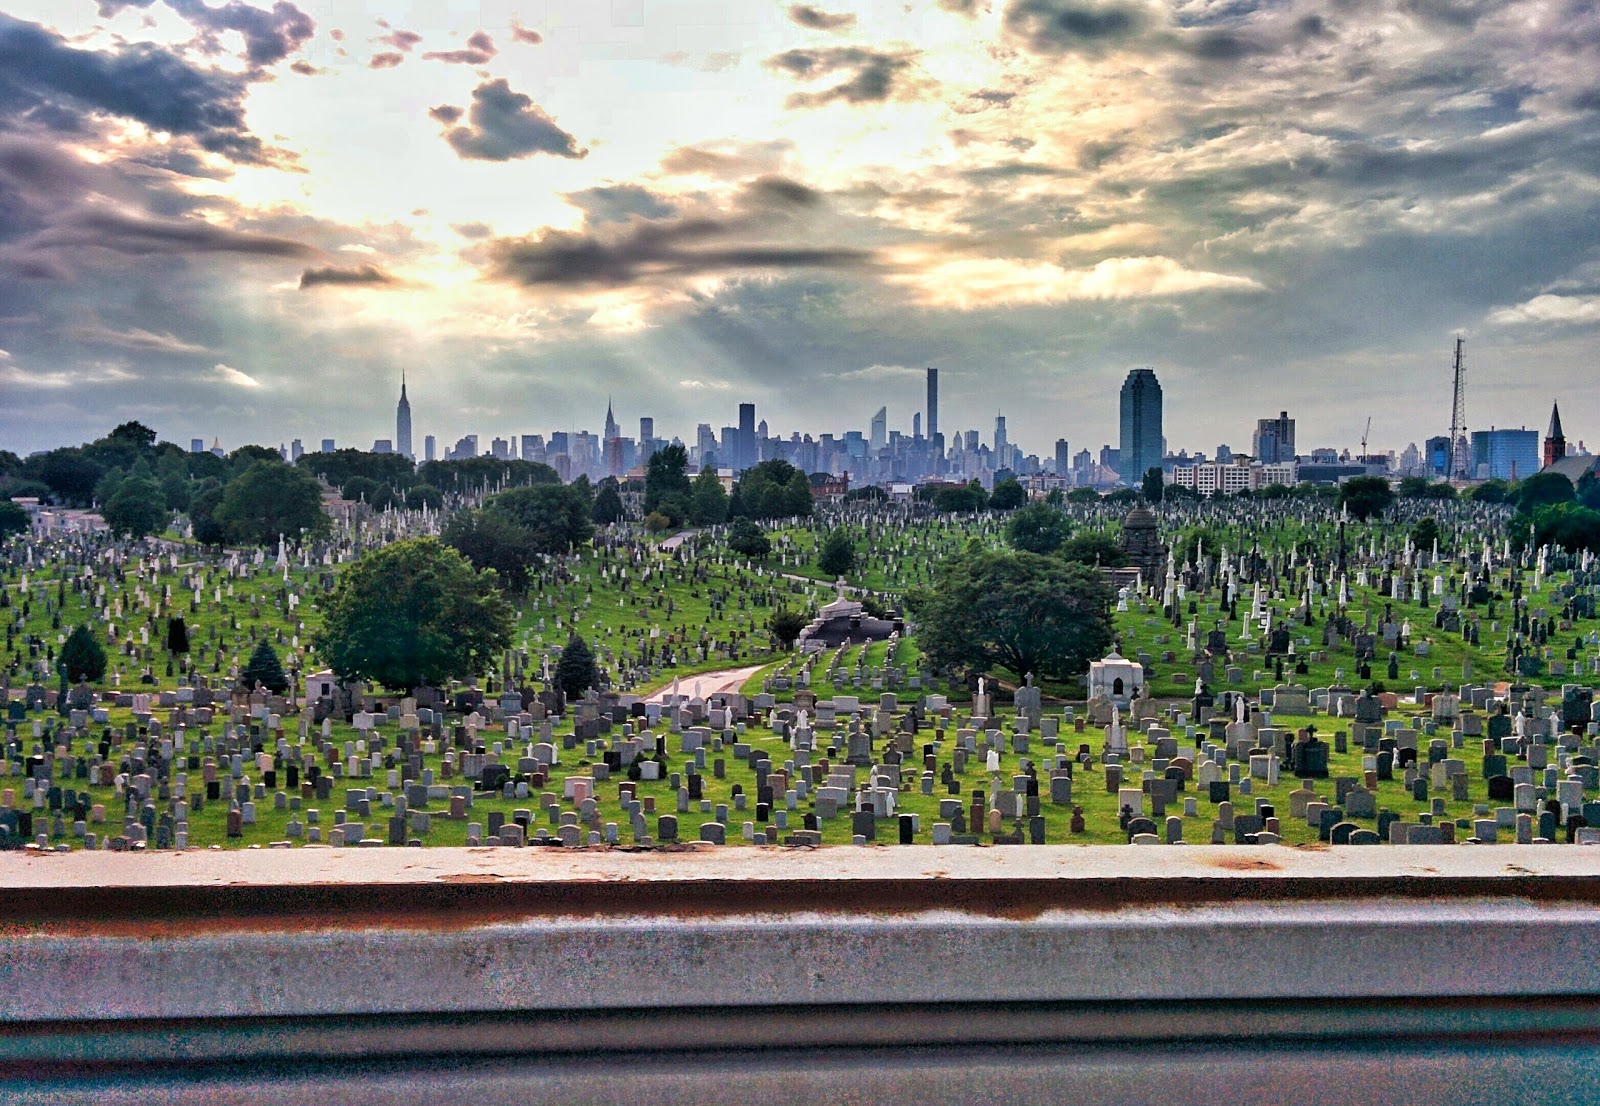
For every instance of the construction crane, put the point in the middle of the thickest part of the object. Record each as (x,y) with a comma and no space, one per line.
(1364,435)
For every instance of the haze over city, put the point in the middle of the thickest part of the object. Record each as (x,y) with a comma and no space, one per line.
(240,223)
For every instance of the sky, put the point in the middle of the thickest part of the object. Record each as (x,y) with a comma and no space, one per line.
(245,221)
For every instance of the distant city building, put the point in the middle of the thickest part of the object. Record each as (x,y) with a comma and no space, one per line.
(879,435)
(197,445)
(383,445)
(1224,453)
(1002,443)
(1438,454)
(747,435)
(1555,442)
(1063,457)
(1235,476)
(296,450)
(1141,448)
(1274,439)
(1505,454)
(402,423)
(216,447)
(916,424)
(612,430)
(430,446)
(327,445)
(500,448)
(933,404)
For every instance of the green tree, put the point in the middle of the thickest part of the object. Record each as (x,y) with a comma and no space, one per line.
(1083,495)
(1490,491)
(68,473)
(749,540)
(263,668)
(137,508)
(493,540)
(82,656)
(708,503)
(961,499)
(1038,528)
(774,489)
(1425,532)
(203,503)
(413,613)
(666,483)
(784,626)
(1151,485)
(867,493)
(555,517)
(419,496)
(13,519)
(269,500)
(1189,544)
(1094,549)
(576,671)
(1025,612)
(1542,490)
(1008,495)
(1420,487)
(1366,496)
(837,554)
(608,505)
(173,473)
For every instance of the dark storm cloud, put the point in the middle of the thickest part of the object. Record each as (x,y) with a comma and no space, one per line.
(818,20)
(780,192)
(368,275)
(269,36)
(504,125)
(141,236)
(39,73)
(872,73)
(1063,26)
(651,251)
(479,49)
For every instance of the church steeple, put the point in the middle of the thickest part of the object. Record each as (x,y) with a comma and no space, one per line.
(1555,442)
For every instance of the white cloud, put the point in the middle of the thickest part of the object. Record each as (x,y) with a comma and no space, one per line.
(705,385)
(1549,309)
(971,283)
(229,375)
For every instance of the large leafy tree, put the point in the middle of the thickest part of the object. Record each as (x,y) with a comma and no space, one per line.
(708,503)
(1008,495)
(1022,611)
(493,539)
(1366,496)
(774,489)
(413,613)
(1542,490)
(268,500)
(608,504)
(1099,550)
(555,518)
(666,483)
(785,625)
(749,540)
(82,656)
(137,508)
(1151,485)
(1038,528)
(13,519)
(837,554)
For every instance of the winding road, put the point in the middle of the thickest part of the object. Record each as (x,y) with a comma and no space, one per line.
(708,683)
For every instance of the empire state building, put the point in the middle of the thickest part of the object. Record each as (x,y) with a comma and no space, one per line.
(402,424)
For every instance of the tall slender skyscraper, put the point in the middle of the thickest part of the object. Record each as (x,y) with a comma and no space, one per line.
(612,430)
(747,435)
(879,435)
(933,404)
(402,424)
(1141,426)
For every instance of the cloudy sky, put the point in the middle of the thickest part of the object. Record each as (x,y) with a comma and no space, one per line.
(247,219)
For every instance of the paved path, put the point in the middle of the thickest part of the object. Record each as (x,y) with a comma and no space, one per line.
(709,683)
(678,539)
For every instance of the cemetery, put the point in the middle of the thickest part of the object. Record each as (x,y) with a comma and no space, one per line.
(1284,675)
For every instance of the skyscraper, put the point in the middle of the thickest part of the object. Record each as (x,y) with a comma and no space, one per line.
(1063,457)
(612,430)
(747,435)
(879,434)
(1274,439)
(933,404)
(402,423)
(430,448)
(1002,447)
(1140,449)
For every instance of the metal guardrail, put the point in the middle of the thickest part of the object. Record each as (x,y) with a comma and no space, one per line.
(929,974)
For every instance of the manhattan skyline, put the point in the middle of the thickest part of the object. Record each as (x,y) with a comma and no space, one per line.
(234,221)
